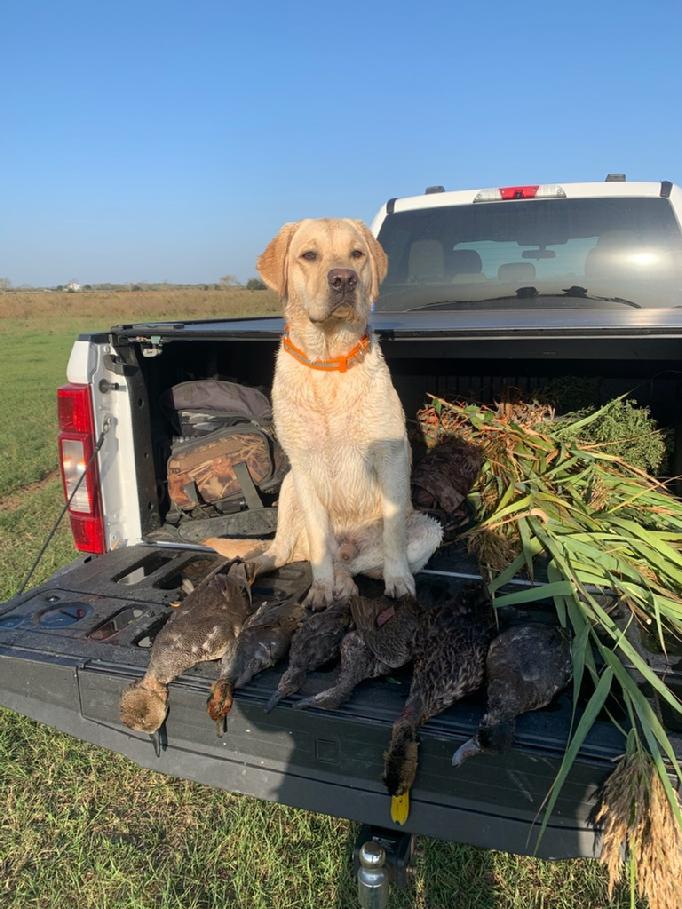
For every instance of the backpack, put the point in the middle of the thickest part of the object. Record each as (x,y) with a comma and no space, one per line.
(224,452)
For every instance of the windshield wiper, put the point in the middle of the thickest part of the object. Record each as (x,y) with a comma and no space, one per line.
(575,290)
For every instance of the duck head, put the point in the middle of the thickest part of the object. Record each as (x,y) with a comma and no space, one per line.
(400,768)
(144,706)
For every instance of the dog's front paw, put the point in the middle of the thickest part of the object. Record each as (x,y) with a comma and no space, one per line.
(399,584)
(321,594)
(344,586)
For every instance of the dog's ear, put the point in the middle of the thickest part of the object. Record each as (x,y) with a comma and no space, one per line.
(272,263)
(377,255)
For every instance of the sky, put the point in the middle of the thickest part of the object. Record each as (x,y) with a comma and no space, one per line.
(151,141)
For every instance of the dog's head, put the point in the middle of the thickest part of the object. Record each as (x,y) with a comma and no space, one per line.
(328,270)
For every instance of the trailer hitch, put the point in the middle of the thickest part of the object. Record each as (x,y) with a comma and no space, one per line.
(381,857)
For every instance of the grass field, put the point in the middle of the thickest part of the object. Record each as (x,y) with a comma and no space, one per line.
(81,827)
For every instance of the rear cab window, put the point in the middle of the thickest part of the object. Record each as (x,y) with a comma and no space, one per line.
(596,252)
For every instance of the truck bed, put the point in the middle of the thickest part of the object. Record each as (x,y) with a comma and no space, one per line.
(69,647)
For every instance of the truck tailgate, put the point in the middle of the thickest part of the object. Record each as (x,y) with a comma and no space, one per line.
(69,647)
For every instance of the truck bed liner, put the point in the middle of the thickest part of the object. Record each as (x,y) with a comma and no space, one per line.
(69,647)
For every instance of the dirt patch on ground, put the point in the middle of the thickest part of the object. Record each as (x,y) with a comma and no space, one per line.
(17,498)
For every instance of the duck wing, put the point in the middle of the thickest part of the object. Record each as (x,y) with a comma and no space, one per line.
(263,640)
(204,626)
(316,641)
(388,627)
(357,664)
(526,666)
(450,663)
(366,610)
(319,636)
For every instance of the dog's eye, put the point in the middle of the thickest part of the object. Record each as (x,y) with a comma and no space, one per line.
(310,255)
(357,254)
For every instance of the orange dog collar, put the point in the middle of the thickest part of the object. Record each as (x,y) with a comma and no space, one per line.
(335,364)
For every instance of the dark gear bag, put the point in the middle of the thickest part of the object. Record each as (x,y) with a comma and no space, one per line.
(224,453)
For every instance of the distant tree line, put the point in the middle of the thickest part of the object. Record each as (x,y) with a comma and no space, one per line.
(227,281)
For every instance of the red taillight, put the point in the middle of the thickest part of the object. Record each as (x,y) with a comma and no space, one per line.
(518,192)
(536,191)
(74,409)
(76,448)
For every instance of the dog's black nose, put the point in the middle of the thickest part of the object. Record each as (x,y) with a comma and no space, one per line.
(342,280)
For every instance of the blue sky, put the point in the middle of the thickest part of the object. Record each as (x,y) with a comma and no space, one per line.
(169,140)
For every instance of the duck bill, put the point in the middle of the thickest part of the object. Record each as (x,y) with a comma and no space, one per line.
(465,751)
(274,701)
(159,739)
(400,808)
(156,742)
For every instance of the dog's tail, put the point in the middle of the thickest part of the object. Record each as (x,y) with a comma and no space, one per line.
(237,549)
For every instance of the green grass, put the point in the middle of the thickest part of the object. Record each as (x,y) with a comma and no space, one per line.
(82,827)
(33,365)
(36,335)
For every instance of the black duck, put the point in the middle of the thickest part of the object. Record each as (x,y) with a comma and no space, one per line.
(316,641)
(383,640)
(449,663)
(264,639)
(526,666)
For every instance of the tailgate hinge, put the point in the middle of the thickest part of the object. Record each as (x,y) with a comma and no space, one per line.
(151,346)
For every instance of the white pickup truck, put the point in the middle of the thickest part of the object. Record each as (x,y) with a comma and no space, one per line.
(486,290)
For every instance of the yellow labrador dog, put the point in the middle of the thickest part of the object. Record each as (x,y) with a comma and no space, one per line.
(345,504)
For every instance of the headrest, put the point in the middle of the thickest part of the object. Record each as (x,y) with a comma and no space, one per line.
(621,238)
(624,254)
(426,260)
(608,256)
(465,262)
(516,272)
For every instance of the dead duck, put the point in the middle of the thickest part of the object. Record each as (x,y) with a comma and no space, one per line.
(449,663)
(316,641)
(264,639)
(203,628)
(383,640)
(442,480)
(527,665)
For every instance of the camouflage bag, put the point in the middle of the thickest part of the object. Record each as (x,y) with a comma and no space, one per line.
(227,454)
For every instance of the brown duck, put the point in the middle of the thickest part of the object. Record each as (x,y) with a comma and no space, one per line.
(449,663)
(264,639)
(442,480)
(526,666)
(316,641)
(204,627)
(383,640)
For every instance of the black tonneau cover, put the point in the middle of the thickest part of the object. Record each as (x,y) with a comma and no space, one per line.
(661,323)
(640,334)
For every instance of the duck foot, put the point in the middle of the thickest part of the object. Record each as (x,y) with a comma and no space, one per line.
(219,704)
